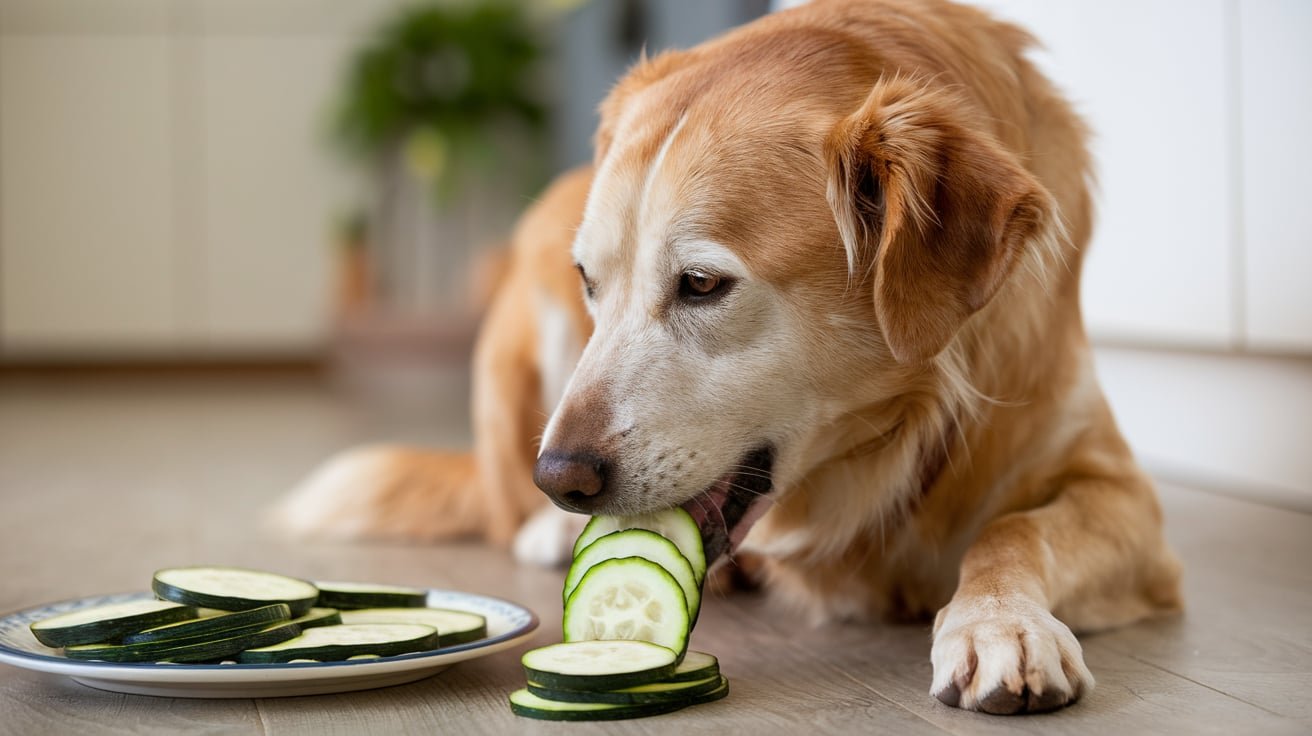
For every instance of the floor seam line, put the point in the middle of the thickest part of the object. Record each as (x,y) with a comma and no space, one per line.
(1156,666)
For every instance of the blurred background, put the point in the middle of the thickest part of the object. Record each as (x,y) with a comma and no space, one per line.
(262,207)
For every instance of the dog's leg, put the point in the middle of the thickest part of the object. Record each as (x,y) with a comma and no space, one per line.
(547,540)
(508,416)
(1093,557)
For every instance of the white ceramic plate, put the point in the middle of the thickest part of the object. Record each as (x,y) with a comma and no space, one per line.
(508,624)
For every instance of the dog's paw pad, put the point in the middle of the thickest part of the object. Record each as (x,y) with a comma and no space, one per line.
(1004,660)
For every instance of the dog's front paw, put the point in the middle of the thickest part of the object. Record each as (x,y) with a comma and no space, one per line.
(547,538)
(1005,657)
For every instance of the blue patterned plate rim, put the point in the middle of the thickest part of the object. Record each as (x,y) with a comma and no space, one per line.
(511,610)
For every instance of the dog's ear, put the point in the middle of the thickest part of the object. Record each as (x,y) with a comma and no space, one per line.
(640,76)
(944,210)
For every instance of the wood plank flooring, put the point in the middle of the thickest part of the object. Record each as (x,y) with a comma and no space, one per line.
(102,482)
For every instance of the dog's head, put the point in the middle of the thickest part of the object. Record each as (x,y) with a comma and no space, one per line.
(776,235)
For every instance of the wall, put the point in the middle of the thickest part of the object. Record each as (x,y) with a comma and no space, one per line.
(165,186)
(1196,285)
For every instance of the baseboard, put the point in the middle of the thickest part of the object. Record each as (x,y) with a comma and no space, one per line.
(1236,424)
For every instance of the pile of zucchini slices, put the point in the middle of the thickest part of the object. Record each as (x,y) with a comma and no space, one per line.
(226,614)
(631,599)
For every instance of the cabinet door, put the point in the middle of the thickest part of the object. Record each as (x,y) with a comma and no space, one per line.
(1150,78)
(85,193)
(1276,93)
(270,189)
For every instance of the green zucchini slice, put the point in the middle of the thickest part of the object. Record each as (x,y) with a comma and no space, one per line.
(233,588)
(211,626)
(335,643)
(319,617)
(525,703)
(675,524)
(195,649)
(695,666)
(348,596)
(656,692)
(598,665)
(638,543)
(628,598)
(107,623)
(455,627)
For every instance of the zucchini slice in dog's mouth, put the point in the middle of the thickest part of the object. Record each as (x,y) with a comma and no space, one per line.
(726,511)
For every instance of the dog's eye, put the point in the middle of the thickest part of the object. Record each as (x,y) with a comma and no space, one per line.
(700,286)
(588,286)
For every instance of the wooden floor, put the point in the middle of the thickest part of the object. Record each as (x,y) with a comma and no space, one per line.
(103,482)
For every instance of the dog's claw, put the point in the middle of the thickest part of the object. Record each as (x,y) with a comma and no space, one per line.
(950,695)
(1006,659)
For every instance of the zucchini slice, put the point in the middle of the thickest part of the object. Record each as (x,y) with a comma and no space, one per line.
(196,649)
(335,643)
(656,692)
(348,596)
(639,543)
(695,666)
(107,623)
(710,697)
(212,626)
(525,703)
(233,588)
(319,617)
(598,665)
(675,524)
(455,627)
(628,598)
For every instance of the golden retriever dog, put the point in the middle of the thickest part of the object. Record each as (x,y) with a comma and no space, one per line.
(821,288)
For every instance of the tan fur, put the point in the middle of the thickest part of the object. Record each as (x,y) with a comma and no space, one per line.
(916,194)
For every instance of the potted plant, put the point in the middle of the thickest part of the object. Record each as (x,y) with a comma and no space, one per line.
(439,106)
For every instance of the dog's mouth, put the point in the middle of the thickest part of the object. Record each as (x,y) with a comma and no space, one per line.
(727,509)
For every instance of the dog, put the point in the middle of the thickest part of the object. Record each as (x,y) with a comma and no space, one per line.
(821,288)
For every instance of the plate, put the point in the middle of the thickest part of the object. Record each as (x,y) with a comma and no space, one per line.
(508,624)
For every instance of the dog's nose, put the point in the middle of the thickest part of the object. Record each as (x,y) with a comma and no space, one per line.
(575,481)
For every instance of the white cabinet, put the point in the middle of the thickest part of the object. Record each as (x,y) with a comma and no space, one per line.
(269,189)
(88,259)
(166,182)
(1201,112)
(1276,99)
(1150,78)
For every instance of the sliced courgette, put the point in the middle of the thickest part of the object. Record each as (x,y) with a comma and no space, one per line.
(233,589)
(335,643)
(712,696)
(525,703)
(656,692)
(638,543)
(319,617)
(455,627)
(196,649)
(348,596)
(107,623)
(675,524)
(598,665)
(213,625)
(628,598)
(695,666)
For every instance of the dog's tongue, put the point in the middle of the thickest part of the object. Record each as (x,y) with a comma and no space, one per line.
(724,516)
